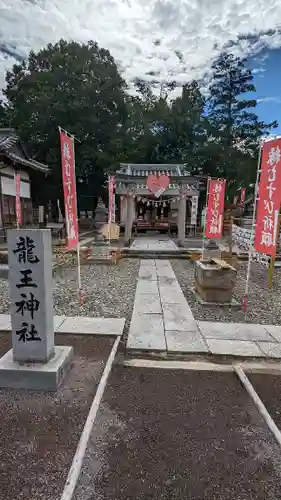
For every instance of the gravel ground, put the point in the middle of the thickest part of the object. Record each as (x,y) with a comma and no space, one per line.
(174,435)
(268,388)
(40,431)
(264,306)
(109,290)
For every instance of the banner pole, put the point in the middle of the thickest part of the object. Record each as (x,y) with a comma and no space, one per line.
(110,213)
(79,284)
(252,234)
(205,218)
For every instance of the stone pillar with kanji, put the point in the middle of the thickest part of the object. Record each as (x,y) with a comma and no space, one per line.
(31,290)
(34,362)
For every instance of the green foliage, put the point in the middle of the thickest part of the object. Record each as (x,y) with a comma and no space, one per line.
(233,124)
(79,88)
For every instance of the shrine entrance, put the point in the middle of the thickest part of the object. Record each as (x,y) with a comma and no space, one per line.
(158,197)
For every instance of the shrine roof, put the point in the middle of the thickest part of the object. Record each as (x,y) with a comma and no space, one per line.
(145,169)
(12,148)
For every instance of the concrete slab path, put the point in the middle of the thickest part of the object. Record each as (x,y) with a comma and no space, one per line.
(163,321)
(77,325)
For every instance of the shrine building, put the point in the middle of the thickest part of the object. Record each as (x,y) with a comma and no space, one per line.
(160,197)
(14,160)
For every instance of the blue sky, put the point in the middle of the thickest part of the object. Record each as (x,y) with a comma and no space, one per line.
(266,68)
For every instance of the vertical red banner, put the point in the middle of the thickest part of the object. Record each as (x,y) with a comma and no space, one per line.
(243,196)
(215,208)
(111,204)
(269,198)
(18,202)
(69,189)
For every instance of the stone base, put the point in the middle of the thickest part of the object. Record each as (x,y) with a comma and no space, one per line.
(214,294)
(232,303)
(35,376)
(4,271)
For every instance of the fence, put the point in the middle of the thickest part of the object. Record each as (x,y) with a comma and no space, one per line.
(242,238)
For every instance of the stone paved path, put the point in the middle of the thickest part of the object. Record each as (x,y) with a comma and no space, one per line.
(163,321)
(154,244)
(79,325)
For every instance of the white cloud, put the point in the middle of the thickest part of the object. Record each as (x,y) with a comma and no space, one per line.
(143,35)
(264,100)
(256,71)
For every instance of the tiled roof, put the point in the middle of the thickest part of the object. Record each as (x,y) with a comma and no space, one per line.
(8,139)
(143,170)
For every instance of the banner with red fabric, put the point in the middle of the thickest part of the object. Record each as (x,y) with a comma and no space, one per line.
(69,189)
(268,205)
(215,208)
(18,202)
(243,196)
(111,199)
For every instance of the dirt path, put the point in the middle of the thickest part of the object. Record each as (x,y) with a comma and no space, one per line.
(175,435)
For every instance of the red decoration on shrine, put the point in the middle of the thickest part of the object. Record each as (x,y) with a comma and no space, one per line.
(18,202)
(158,184)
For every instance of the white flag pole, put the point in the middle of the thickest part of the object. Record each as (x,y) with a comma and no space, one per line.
(252,234)
(205,218)
(79,282)
(109,211)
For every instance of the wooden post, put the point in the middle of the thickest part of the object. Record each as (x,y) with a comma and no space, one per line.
(129,219)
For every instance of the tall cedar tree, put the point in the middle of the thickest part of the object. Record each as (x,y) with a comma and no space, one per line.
(235,130)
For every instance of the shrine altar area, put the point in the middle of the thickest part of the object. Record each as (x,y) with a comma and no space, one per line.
(170,204)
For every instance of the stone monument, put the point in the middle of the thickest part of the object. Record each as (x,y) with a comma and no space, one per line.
(34,362)
(214,282)
(100,219)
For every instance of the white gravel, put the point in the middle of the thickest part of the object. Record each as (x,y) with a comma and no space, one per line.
(109,290)
(264,305)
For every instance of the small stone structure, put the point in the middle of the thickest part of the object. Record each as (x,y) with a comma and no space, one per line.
(34,362)
(111,232)
(214,281)
(100,219)
(211,249)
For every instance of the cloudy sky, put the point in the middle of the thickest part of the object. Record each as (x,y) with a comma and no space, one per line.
(176,39)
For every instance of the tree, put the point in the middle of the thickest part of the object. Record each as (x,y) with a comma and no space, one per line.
(184,136)
(4,121)
(79,88)
(234,128)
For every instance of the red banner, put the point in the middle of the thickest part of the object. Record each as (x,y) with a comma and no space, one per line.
(243,196)
(269,198)
(69,189)
(214,220)
(111,203)
(18,202)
